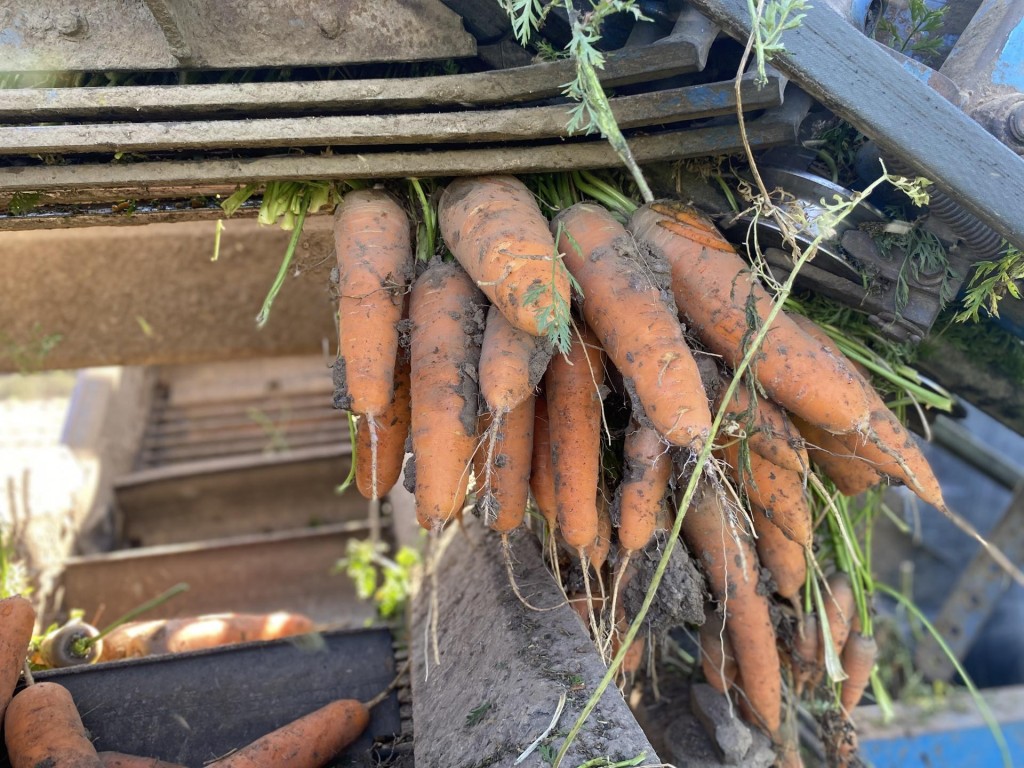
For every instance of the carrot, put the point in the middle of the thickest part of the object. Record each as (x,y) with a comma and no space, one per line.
(641,493)
(729,561)
(718,293)
(496,231)
(840,610)
(572,384)
(624,305)
(446,311)
(886,446)
(392,430)
(309,742)
(42,727)
(889,449)
(804,653)
(783,557)
(542,478)
(717,660)
(512,363)
(121,760)
(597,551)
(777,492)
(375,263)
(767,428)
(851,474)
(505,478)
(858,659)
(146,638)
(17,620)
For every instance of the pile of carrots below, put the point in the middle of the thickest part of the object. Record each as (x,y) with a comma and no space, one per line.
(42,726)
(456,359)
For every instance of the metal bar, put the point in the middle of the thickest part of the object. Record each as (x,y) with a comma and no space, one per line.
(963,444)
(517,124)
(858,81)
(666,58)
(775,127)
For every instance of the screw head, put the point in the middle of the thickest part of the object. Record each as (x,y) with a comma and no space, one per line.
(329,23)
(72,24)
(1015,122)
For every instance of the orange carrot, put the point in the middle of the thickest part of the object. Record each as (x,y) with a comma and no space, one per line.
(840,610)
(804,653)
(445,309)
(716,655)
(542,478)
(858,659)
(727,556)
(121,760)
(375,263)
(886,446)
(777,492)
(641,494)
(768,430)
(782,556)
(597,552)
(311,741)
(504,485)
(512,363)
(146,638)
(17,620)
(42,727)
(851,474)
(573,386)
(392,430)
(624,306)
(496,231)
(718,293)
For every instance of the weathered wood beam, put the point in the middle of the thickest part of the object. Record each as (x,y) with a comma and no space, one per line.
(665,58)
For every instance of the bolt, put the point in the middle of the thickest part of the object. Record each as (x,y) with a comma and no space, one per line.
(1015,122)
(72,24)
(329,23)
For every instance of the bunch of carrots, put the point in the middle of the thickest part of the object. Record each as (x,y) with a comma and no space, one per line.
(580,361)
(42,725)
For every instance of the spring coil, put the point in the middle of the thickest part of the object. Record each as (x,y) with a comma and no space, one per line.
(983,241)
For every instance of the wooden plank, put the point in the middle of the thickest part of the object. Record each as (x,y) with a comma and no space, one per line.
(494,651)
(246,500)
(190,708)
(515,124)
(775,127)
(666,58)
(268,443)
(257,573)
(860,82)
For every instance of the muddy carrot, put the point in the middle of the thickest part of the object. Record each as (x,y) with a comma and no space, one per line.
(727,556)
(624,305)
(375,262)
(574,401)
(146,638)
(446,312)
(311,741)
(777,492)
(392,431)
(768,430)
(495,229)
(42,727)
(722,299)
(17,619)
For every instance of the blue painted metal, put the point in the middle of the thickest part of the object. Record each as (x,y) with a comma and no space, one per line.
(1009,65)
(971,747)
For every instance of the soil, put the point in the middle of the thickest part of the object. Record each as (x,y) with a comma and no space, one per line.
(681,595)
